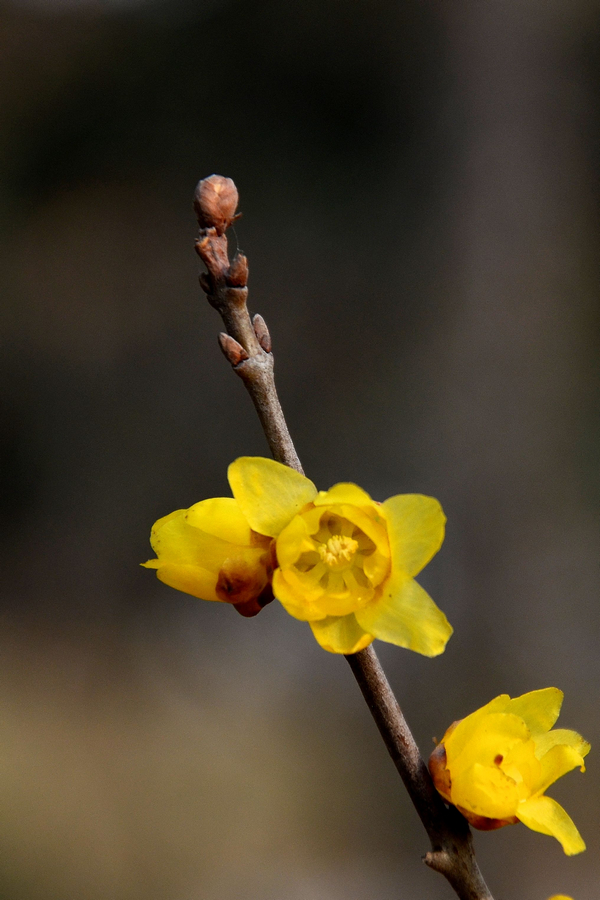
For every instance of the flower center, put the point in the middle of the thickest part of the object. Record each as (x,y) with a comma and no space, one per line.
(338,551)
(336,560)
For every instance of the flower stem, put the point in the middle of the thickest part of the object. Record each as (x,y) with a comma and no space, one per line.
(247,346)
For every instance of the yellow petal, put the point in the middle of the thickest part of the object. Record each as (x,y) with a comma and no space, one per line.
(406,615)
(306,584)
(416,530)
(459,735)
(293,600)
(373,525)
(559,760)
(176,514)
(293,541)
(488,740)
(343,493)
(544,742)
(559,897)
(376,567)
(190,579)
(485,790)
(269,493)
(175,541)
(545,815)
(487,736)
(538,709)
(337,599)
(521,763)
(221,517)
(341,634)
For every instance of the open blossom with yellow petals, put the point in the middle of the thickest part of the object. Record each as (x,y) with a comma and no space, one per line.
(343,562)
(496,764)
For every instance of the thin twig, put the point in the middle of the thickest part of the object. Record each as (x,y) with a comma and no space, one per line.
(452,851)
(247,346)
(247,343)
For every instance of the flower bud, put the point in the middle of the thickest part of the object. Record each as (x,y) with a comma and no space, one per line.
(215,202)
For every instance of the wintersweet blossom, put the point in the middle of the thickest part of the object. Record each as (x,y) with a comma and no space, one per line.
(342,562)
(496,764)
(210,551)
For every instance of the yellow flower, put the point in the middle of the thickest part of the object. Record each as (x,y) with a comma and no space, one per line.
(495,765)
(559,897)
(346,563)
(210,551)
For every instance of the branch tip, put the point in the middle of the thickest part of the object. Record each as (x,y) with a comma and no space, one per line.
(215,202)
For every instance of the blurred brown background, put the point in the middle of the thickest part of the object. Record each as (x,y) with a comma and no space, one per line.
(419,183)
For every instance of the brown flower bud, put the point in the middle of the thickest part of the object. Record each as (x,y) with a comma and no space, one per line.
(215,202)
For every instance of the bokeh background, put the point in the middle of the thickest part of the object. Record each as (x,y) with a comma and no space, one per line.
(419,182)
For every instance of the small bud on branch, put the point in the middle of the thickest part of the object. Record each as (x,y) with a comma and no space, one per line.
(215,203)
(262,332)
(233,351)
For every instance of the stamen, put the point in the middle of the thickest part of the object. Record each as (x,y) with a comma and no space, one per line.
(338,551)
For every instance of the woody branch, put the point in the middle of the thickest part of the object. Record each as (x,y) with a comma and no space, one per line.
(246,344)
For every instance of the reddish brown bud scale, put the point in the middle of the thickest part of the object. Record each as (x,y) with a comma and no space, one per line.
(215,202)
(238,271)
(212,250)
(439,772)
(482,823)
(262,332)
(267,596)
(238,582)
(249,608)
(252,607)
(234,352)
